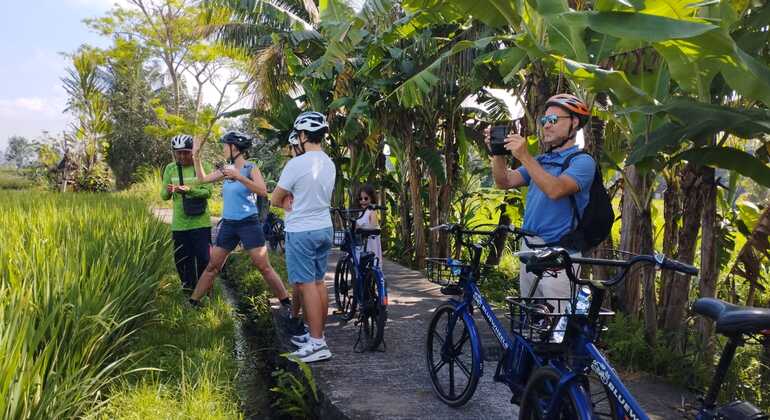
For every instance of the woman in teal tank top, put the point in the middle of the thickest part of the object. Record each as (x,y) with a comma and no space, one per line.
(243,182)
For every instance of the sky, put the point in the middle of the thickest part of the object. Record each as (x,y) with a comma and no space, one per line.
(34,35)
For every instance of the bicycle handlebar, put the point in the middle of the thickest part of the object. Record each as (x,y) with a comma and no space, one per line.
(353,214)
(559,258)
(677,266)
(357,210)
(457,228)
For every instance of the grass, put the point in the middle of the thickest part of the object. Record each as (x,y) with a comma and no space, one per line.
(93,322)
(11,180)
(78,275)
(191,353)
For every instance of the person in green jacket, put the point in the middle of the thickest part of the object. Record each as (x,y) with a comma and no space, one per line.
(190,218)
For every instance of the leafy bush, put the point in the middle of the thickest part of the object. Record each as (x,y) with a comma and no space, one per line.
(296,393)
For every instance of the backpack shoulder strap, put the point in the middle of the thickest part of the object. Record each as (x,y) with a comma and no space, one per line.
(572,199)
(569,158)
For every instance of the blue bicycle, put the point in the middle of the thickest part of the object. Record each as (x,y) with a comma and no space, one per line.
(540,349)
(560,389)
(359,284)
(454,354)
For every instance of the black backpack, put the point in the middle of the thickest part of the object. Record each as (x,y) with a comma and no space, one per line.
(595,225)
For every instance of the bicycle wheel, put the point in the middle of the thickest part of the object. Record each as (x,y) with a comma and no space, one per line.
(539,393)
(373,314)
(453,361)
(343,284)
(603,403)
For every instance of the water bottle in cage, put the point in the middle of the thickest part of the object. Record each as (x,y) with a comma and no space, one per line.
(583,300)
(455,266)
(582,303)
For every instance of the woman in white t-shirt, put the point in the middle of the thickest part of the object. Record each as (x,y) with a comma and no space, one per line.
(369,220)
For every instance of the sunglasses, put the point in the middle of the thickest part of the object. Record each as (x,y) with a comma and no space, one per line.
(551,118)
(363,198)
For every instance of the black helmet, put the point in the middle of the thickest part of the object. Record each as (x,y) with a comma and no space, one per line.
(241,140)
(182,142)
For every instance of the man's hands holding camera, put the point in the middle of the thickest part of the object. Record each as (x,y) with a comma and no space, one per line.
(502,143)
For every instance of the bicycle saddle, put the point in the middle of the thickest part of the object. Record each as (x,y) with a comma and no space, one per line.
(369,232)
(547,259)
(733,319)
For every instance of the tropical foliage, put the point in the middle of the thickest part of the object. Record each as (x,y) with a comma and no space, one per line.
(679,91)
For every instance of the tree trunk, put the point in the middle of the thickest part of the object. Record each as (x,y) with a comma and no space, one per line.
(177,91)
(594,144)
(672,212)
(446,194)
(415,179)
(406,231)
(433,217)
(757,247)
(708,255)
(679,288)
(636,237)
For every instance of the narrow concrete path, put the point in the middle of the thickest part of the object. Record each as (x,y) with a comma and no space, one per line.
(394,384)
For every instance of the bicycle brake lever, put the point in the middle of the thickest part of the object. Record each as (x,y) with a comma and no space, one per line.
(444,226)
(525,254)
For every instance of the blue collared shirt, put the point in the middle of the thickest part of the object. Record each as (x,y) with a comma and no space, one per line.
(552,219)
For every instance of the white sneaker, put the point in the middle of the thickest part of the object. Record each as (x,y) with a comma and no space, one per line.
(312,353)
(300,340)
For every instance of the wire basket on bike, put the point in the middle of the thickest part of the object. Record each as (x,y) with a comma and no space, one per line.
(544,321)
(444,271)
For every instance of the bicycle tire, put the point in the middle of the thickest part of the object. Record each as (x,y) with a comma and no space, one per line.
(538,394)
(603,403)
(343,284)
(373,314)
(437,336)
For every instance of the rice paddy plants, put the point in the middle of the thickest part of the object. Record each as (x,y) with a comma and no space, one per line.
(78,277)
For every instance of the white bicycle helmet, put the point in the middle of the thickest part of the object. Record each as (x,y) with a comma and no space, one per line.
(310,121)
(294,138)
(182,142)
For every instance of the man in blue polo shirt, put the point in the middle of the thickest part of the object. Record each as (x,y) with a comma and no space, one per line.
(548,211)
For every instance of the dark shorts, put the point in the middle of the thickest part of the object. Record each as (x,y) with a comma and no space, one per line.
(247,231)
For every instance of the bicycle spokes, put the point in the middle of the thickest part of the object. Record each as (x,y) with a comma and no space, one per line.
(372,316)
(452,360)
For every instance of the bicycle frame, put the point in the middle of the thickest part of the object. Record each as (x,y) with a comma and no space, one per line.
(586,357)
(358,273)
(519,357)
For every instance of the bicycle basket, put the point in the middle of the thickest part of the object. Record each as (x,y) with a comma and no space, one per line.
(544,321)
(339,237)
(444,271)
